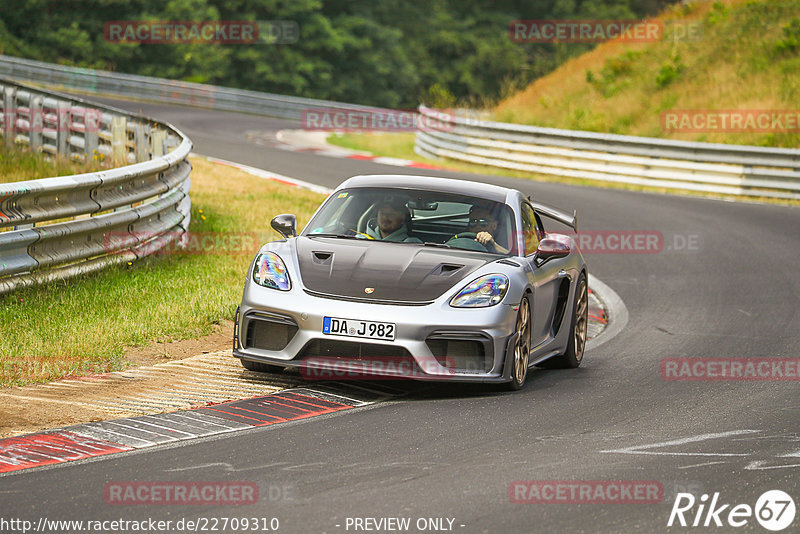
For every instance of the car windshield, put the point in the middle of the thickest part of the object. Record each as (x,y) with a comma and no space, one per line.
(415,216)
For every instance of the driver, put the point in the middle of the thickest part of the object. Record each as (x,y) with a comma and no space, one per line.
(483,223)
(393,218)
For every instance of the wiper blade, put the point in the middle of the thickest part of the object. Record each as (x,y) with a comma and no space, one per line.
(337,236)
(438,245)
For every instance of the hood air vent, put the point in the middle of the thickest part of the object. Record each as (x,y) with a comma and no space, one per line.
(446,269)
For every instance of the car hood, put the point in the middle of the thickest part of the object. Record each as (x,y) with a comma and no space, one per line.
(377,271)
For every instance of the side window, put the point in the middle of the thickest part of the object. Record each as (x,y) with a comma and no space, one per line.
(531,229)
(539,227)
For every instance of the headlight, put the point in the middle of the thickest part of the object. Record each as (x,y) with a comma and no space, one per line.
(485,291)
(270,271)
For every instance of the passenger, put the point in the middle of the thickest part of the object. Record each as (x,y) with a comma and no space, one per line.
(393,219)
(483,223)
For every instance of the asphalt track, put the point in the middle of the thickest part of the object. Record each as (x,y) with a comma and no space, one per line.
(453,451)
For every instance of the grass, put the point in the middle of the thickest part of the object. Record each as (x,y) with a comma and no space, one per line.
(84,325)
(746,58)
(19,164)
(401,145)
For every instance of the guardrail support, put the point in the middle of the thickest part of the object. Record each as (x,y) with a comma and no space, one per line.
(118,138)
(63,122)
(36,122)
(157,139)
(140,148)
(10,115)
(91,125)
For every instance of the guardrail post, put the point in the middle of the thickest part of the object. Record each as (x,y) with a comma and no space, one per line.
(119,136)
(140,148)
(157,138)
(91,125)
(63,123)
(9,115)
(36,122)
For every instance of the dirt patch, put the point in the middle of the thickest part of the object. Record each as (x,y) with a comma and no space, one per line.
(160,351)
(171,376)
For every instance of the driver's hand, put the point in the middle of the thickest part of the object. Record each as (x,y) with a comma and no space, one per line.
(484,238)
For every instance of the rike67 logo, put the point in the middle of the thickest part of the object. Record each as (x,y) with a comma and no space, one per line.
(774,510)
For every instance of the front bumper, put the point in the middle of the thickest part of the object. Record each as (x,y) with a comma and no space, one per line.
(432,342)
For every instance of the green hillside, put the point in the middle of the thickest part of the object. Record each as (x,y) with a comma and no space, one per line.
(746,57)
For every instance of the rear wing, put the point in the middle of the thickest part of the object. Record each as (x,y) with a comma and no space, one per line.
(556,214)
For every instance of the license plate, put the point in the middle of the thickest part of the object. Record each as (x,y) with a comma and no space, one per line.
(353,328)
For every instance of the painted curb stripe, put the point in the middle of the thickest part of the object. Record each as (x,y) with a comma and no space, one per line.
(276,408)
(49,448)
(107,437)
(395,162)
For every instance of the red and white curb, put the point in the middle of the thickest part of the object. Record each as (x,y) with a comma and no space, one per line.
(89,440)
(608,314)
(316,142)
(597,316)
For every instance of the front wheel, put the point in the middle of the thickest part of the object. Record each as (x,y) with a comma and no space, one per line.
(522,346)
(573,355)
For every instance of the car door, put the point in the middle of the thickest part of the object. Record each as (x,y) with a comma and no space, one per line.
(546,279)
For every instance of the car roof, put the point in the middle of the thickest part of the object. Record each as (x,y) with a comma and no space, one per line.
(447,185)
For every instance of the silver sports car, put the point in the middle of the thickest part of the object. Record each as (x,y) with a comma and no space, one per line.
(416,277)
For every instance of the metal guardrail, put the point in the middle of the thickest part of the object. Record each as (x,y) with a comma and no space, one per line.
(715,168)
(145,87)
(54,228)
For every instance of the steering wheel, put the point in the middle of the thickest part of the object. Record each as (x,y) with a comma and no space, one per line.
(466,240)
(464,235)
(358,234)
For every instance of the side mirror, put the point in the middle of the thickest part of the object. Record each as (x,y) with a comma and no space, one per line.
(553,247)
(285,224)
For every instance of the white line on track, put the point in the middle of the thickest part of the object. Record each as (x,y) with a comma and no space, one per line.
(640,449)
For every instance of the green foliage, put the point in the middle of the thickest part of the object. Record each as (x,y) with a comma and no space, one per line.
(439,97)
(613,75)
(717,13)
(790,43)
(393,53)
(666,75)
(669,71)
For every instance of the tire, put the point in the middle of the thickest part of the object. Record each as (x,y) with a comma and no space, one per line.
(260,367)
(573,355)
(522,346)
